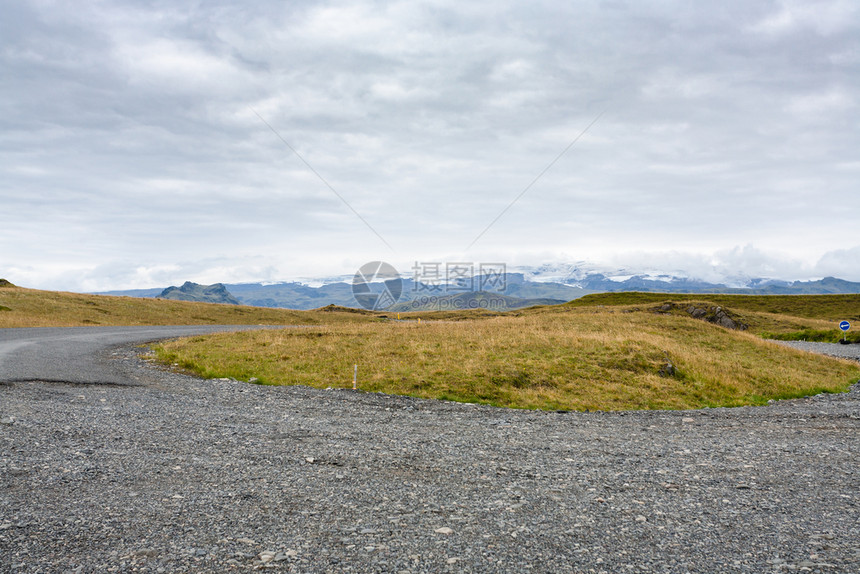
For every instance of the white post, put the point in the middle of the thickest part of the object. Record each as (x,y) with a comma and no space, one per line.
(354,376)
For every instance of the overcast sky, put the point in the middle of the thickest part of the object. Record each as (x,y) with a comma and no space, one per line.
(135,150)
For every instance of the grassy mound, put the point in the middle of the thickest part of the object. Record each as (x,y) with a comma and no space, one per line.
(566,359)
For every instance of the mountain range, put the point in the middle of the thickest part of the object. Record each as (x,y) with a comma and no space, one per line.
(525,287)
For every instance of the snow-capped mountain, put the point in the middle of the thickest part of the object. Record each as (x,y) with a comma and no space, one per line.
(594,277)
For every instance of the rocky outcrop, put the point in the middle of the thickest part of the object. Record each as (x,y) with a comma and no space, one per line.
(712,314)
(189,291)
(4,283)
(716,315)
(667,369)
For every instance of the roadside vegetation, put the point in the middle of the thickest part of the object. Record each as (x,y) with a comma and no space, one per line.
(602,352)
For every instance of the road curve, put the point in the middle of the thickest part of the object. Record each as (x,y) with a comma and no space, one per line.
(82,354)
(176,474)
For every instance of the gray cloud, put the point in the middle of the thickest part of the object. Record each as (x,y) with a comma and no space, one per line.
(128,138)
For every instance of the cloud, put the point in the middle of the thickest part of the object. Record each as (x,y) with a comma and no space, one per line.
(129,133)
(842,263)
(736,265)
(817,103)
(824,18)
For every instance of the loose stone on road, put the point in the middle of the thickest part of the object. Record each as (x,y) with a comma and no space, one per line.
(178,474)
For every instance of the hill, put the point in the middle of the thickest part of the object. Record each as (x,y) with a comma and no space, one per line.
(189,291)
(20,307)
(787,317)
(830,307)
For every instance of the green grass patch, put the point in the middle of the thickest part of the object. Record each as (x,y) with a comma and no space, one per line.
(815,335)
(563,360)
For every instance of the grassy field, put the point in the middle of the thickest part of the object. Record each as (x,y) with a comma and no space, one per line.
(761,311)
(606,352)
(21,307)
(786,317)
(562,357)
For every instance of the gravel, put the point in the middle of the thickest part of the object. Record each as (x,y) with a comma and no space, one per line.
(178,474)
(74,354)
(851,351)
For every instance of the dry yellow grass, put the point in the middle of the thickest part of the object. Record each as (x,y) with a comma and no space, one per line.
(557,359)
(21,307)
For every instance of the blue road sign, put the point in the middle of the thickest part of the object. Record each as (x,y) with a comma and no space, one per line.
(844,325)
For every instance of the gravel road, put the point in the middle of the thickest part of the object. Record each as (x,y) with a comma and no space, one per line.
(177,474)
(76,354)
